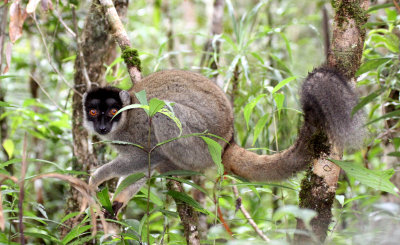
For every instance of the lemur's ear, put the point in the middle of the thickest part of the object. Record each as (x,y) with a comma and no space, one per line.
(125,98)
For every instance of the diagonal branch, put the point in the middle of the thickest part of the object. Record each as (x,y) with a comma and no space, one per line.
(247,215)
(121,37)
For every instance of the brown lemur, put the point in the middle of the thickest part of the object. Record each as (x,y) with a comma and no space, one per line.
(327,100)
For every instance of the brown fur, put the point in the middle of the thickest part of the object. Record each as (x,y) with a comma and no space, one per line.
(202,106)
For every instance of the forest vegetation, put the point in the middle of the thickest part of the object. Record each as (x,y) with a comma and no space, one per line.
(259,53)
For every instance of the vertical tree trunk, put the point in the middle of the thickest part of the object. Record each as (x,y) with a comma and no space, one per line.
(319,186)
(188,215)
(98,48)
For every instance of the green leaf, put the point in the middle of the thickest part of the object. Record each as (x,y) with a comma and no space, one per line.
(279,98)
(283,83)
(287,44)
(75,232)
(259,127)
(189,183)
(215,150)
(104,200)
(133,106)
(249,184)
(190,135)
(73,57)
(248,109)
(178,173)
(392,42)
(396,142)
(366,100)
(153,197)
(386,116)
(118,142)
(9,162)
(340,199)
(9,147)
(155,106)
(181,196)
(5,104)
(355,198)
(371,65)
(141,96)
(305,214)
(258,57)
(7,76)
(394,154)
(43,236)
(280,64)
(379,180)
(69,216)
(167,213)
(82,240)
(379,6)
(171,115)
(131,179)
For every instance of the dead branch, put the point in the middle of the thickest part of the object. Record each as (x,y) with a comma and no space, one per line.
(248,216)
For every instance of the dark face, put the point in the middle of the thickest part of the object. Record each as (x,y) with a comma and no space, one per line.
(100,107)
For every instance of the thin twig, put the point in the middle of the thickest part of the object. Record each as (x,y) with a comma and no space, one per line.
(21,190)
(74,34)
(45,92)
(223,222)
(49,57)
(248,216)
(79,51)
(87,193)
(396,4)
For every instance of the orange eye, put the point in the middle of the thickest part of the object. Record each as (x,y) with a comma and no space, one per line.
(93,112)
(113,111)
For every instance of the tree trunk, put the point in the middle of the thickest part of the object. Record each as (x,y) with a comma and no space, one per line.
(188,215)
(98,48)
(319,186)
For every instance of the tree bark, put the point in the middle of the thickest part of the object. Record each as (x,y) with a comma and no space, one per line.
(119,34)
(98,48)
(319,186)
(188,215)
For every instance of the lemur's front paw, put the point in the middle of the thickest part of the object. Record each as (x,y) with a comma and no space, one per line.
(115,208)
(92,185)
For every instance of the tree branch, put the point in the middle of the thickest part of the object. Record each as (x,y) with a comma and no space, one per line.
(248,216)
(121,37)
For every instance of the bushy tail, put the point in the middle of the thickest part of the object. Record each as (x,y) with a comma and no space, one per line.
(327,101)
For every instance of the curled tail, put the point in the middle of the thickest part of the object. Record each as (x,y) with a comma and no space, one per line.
(327,101)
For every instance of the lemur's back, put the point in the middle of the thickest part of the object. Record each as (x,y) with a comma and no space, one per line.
(200,105)
(193,91)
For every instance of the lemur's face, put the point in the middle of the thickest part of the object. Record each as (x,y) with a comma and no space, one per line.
(100,106)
